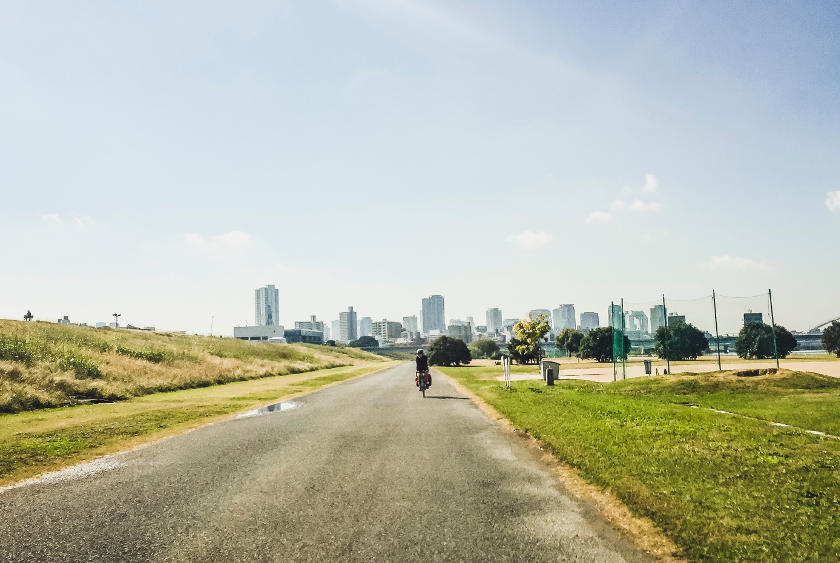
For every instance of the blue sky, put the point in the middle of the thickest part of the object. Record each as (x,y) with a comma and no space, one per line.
(165,158)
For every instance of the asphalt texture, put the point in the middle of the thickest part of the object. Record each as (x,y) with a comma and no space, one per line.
(363,471)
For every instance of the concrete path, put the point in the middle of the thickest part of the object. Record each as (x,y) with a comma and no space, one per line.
(363,471)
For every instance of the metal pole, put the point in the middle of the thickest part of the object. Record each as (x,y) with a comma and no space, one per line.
(612,324)
(665,312)
(717,333)
(773,320)
(623,351)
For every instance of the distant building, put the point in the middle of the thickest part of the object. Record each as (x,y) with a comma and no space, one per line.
(589,321)
(262,332)
(564,317)
(636,321)
(748,318)
(65,320)
(614,314)
(311,324)
(432,312)
(657,318)
(304,335)
(461,331)
(675,318)
(494,320)
(348,327)
(335,330)
(386,330)
(410,324)
(266,306)
(534,313)
(508,324)
(365,327)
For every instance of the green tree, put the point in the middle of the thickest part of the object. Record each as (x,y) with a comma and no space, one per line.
(364,342)
(682,341)
(831,338)
(569,340)
(484,348)
(529,336)
(598,344)
(756,341)
(446,351)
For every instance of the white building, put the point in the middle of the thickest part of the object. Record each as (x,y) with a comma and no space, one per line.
(494,320)
(365,327)
(263,332)
(433,314)
(589,321)
(410,324)
(266,306)
(348,326)
(564,317)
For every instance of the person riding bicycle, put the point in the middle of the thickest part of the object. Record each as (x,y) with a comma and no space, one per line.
(422,367)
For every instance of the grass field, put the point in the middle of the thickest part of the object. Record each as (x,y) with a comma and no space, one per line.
(722,487)
(50,365)
(37,441)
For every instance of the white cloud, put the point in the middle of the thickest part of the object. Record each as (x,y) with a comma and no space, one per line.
(617,205)
(51,218)
(222,244)
(651,183)
(644,206)
(599,217)
(529,239)
(727,263)
(82,222)
(832,201)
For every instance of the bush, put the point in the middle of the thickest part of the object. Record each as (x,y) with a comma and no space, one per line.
(364,342)
(484,348)
(831,338)
(446,351)
(756,341)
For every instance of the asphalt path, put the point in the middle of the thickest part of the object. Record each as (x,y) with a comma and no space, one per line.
(366,470)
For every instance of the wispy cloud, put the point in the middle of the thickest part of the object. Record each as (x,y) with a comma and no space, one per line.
(529,239)
(728,263)
(832,201)
(599,217)
(651,183)
(51,219)
(76,222)
(223,244)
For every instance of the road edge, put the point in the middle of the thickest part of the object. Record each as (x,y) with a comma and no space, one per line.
(640,531)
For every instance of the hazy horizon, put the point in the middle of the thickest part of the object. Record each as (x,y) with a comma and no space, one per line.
(164,160)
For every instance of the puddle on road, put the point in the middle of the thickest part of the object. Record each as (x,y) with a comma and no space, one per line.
(269,409)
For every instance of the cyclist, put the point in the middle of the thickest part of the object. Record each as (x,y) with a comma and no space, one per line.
(422,367)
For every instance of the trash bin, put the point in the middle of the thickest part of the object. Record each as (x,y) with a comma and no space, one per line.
(549,375)
(647,367)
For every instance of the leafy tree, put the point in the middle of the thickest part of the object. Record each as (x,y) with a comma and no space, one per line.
(682,341)
(364,342)
(484,348)
(756,341)
(513,349)
(569,340)
(446,351)
(831,338)
(330,343)
(598,344)
(529,336)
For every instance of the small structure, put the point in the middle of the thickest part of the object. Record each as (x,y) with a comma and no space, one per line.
(549,370)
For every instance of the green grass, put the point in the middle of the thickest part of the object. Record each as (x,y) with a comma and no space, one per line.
(722,487)
(49,365)
(41,440)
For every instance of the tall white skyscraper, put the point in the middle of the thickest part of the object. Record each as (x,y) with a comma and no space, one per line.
(589,320)
(564,317)
(266,306)
(349,328)
(433,314)
(494,320)
(410,323)
(657,318)
(335,330)
(365,327)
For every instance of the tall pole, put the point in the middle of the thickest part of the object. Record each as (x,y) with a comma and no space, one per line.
(623,351)
(717,333)
(117,320)
(773,320)
(612,324)
(667,359)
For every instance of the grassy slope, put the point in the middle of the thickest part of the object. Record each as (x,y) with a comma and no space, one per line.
(724,488)
(37,441)
(50,365)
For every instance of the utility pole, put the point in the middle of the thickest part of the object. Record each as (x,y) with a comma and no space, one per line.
(667,359)
(717,333)
(773,320)
(612,324)
(117,319)
(623,351)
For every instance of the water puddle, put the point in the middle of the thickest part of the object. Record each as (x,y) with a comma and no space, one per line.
(269,409)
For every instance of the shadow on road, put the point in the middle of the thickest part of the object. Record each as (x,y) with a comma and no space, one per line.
(445,397)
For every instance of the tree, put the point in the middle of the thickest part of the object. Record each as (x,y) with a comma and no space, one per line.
(446,351)
(682,341)
(364,342)
(569,340)
(529,337)
(831,338)
(484,348)
(598,344)
(330,343)
(756,341)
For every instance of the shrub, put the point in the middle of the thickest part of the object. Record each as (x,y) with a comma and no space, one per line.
(756,341)
(446,351)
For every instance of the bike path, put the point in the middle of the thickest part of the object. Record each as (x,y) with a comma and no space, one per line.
(363,471)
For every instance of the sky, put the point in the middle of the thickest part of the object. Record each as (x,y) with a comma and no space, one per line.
(164,159)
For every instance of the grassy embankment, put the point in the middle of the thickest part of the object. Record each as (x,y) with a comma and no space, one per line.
(722,487)
(49,365)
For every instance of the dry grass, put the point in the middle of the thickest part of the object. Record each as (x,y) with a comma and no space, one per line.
(48,365)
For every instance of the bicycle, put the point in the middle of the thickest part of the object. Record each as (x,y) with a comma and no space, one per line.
(424,381)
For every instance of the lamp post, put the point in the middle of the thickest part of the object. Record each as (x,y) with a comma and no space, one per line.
(117,319)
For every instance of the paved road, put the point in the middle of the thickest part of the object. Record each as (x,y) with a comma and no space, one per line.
(367,470)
